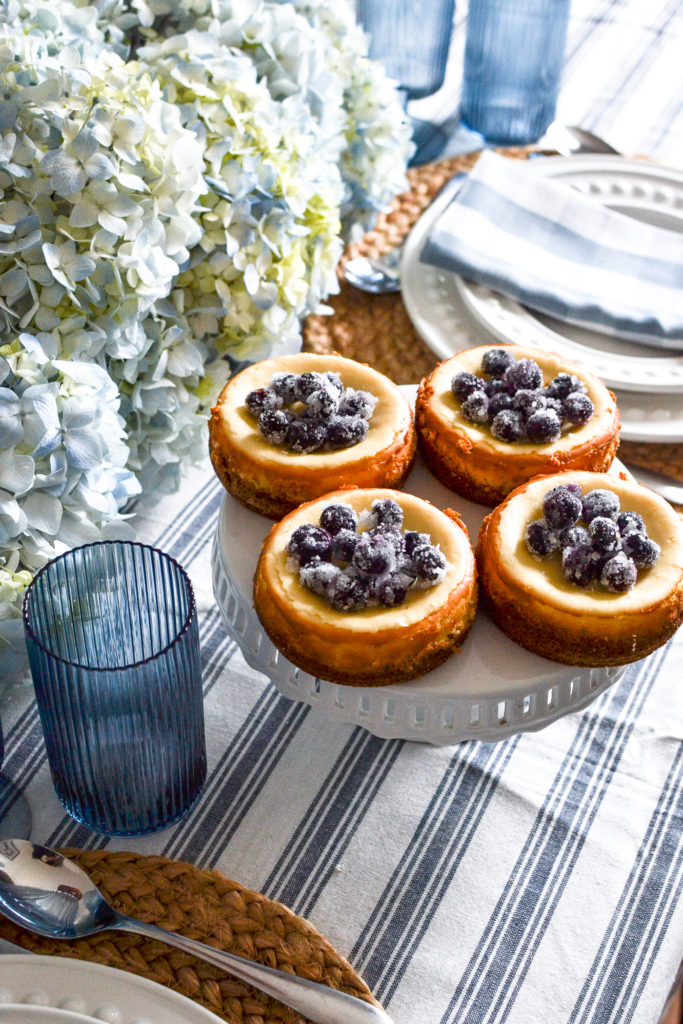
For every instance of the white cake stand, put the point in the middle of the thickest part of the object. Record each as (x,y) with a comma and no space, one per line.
(489,690)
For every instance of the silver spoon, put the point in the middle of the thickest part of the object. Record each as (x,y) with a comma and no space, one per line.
(381,275)
(46,893)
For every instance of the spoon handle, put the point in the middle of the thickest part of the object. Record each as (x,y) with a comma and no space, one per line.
(317,1002)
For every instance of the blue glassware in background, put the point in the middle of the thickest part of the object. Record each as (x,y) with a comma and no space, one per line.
(411,39)
(113,644)
(514,57)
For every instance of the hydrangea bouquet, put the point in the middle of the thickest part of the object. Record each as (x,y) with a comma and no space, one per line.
(177,180)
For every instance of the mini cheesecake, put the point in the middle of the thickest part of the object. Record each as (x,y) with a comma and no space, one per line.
(372,646)
(469,460)
(273,480)
(533,603)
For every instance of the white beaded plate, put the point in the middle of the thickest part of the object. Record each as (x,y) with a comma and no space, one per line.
(435,299)
(489,690)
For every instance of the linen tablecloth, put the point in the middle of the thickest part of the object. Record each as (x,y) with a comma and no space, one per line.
(538,878)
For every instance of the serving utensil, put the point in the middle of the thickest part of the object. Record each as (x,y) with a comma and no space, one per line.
(47,893)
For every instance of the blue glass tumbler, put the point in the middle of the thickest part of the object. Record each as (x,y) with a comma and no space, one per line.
(514,58)
(113,644)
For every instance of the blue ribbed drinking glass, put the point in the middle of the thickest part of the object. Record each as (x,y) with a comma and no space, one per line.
(113,644)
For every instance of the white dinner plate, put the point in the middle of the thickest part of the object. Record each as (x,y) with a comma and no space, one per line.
(490,689)
(445,308)
(79,992)
(22,1013)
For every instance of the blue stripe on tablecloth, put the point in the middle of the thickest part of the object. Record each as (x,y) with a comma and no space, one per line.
(331,820)
(510,938)
(415,890)
(198,511)
(635,933)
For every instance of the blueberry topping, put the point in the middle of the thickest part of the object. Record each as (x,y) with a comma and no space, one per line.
(579,564)
(539,538)
(605,537)
(309,382)
(309,541)
(335,382)
(508,425)
(306,435)
(577,408)
(344,431)
(561,508)
(498,402)
(387,512)
(348,593)
(643,551)
(496,361)
(528,401)
(600,502)
(524,373)
(475,407)
(338,517)
(428,562)
(463,384)
(391,590)
(630,521)
(394,535)
(274,425)
(323,401)
(413,539)
(495,386)
(619,573)
(599,543)
(374,554)
(544,426)
(261,400)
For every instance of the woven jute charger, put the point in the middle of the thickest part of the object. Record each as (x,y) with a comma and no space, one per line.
(376,329)
(207,906)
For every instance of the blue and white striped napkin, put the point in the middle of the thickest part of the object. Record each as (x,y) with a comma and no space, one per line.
(562,253)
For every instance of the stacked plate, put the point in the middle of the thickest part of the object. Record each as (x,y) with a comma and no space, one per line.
(55,990)
(451,313)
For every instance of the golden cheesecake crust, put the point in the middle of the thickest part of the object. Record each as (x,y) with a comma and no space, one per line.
(272,480)
(374,646)
(466,458)
(537,607)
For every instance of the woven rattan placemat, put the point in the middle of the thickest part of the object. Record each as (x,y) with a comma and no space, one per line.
(376,328)
(207,906)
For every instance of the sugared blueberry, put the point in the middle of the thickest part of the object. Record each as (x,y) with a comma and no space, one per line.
(539,539)
(508,425)
(525,373)
(496,361)
(274,425)
(357,403)
(306,435)
(412,539)
(323,401)
(286,385)
(463,384)
(642,549)
(544,426)
(428,562)
(579,564)
(318,575)
(600,502)
(344,544)
(309,541)
(528,401)
(374,554)
(344,431)
(574,536)
(475,407)
(387,512)
(496,386)
(498,402)
(561,508)
(310,381)
(391,590)
(334,380)
(563,385)
(605,536)
(629,521)
(577,408)
(261,400)
(348,593)
(338,516)
(619,573)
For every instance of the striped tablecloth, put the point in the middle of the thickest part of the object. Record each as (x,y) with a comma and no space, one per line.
(537,879)
(533,880)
